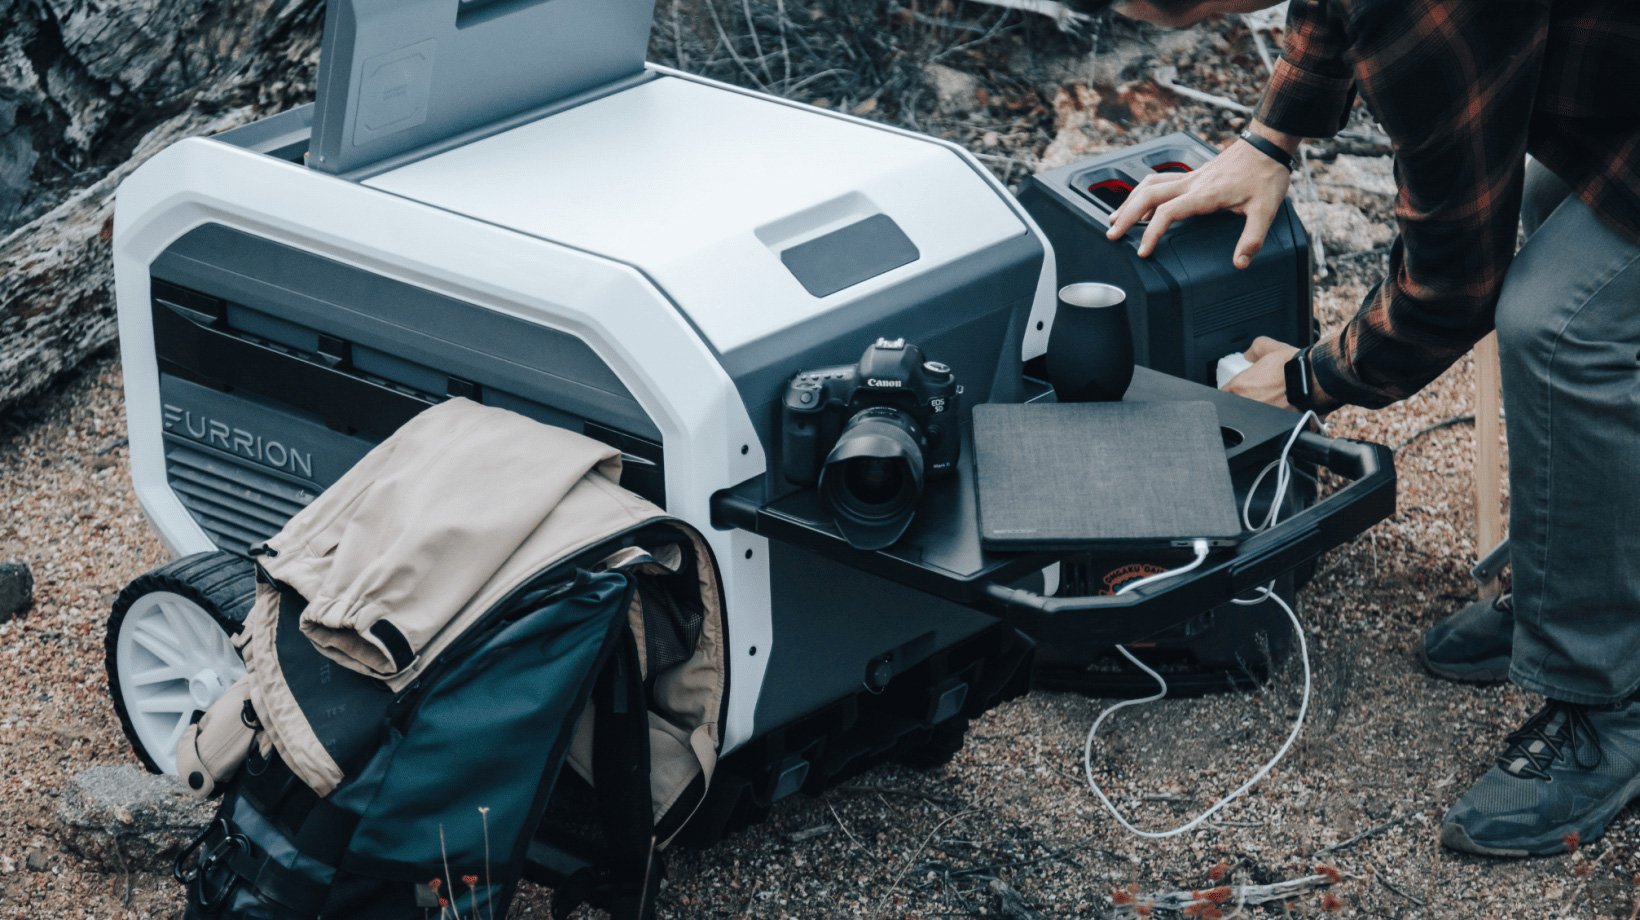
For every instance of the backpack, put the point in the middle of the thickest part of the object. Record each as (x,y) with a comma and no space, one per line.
(445,782)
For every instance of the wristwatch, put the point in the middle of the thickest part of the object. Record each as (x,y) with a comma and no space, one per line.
(1300,389)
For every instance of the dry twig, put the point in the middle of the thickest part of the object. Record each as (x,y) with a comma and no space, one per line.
(1369,832)
(870,852)
(1238,894)
(1379,875)
(1064,16)
(1363,835)
(912,860)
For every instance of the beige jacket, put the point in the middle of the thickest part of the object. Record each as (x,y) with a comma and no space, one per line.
(424,535)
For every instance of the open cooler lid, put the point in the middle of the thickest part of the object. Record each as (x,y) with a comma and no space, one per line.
(401,75)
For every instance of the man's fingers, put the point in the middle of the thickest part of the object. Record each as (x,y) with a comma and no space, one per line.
(1253,233)
(1155,179)
(1164,217)
(1134,209)
(1140,205)
(1264,345)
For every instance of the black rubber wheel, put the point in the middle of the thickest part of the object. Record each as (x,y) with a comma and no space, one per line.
(167,649)
(944,741)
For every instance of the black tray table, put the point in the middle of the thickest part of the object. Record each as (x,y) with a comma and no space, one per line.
(941,552)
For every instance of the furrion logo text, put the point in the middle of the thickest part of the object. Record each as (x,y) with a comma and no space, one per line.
(238,441)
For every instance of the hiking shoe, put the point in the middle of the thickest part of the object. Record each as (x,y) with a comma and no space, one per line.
(1473,644)
(1568,771)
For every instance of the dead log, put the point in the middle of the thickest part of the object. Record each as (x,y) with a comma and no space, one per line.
(88,90)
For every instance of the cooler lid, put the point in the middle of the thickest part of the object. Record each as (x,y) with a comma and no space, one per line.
(401,75)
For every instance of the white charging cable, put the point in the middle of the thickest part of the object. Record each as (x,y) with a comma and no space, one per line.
(1284,479)
(1265,593)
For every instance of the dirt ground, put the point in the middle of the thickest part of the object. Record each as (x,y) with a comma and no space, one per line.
(1385,751)
(1009,828)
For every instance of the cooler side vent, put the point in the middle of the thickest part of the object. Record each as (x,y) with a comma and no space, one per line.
(1227,313)
(238,507)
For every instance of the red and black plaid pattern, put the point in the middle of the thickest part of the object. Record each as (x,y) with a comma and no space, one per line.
(1464,88)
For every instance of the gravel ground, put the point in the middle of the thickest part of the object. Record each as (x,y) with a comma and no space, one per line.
(1008,828)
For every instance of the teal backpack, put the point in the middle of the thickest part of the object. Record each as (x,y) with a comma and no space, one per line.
(447,782)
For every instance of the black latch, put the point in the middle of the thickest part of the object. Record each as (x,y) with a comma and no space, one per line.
(200,308)
(335,352)
(464,389)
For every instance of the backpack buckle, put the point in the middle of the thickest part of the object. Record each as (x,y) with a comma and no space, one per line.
(220,856)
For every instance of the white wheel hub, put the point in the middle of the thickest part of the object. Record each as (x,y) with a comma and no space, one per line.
(173,660)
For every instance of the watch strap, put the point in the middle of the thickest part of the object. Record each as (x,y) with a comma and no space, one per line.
(1268,147)
(1300,381)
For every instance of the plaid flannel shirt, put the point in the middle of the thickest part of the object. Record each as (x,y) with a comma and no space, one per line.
(1464,88)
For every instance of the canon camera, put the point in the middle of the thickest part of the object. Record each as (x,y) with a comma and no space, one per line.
(870,435)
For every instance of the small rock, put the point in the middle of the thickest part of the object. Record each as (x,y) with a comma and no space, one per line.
(36,861)
(955,91)
(121,817)
(16,589)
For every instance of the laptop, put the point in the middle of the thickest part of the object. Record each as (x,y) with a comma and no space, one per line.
(1127,476)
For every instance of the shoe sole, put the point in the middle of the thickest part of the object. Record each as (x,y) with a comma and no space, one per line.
(1480,676)
(1455,837)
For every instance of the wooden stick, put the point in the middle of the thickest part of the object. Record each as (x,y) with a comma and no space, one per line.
(1238,894)
(1053,9)
(1488,478)
(1369,832)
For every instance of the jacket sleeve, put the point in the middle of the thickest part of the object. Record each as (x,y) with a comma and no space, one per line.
(1313,86)
(1452,82)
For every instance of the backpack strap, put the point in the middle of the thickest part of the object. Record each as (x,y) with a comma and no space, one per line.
(620,768)
(626,879)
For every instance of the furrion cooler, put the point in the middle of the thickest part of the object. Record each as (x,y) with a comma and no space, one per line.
(502,201)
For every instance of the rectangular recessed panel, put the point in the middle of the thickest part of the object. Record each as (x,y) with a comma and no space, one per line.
(843,258)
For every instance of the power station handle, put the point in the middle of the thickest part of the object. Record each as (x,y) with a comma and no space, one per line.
(1368,498)
(473,12)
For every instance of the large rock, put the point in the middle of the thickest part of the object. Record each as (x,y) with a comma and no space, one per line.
(124,818)
(16,589)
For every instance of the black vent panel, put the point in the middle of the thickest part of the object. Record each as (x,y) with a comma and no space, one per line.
(1242,309)
(237,506)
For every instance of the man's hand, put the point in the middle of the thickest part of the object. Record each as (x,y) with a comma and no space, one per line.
(1266,380)
(1240,179)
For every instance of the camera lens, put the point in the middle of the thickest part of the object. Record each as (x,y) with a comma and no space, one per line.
(873,478)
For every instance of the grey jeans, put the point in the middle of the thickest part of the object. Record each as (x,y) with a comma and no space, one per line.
(1569,336)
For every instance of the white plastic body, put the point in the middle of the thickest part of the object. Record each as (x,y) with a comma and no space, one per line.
(638,276)
(704,188)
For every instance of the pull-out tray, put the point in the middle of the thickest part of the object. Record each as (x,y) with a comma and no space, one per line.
(941,553)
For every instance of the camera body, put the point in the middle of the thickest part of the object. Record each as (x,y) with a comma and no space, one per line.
(892,374)
(870,435)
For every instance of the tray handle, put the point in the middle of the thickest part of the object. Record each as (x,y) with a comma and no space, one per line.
(1369,496)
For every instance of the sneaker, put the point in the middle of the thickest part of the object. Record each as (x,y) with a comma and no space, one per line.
(1568,771)
(1473,644)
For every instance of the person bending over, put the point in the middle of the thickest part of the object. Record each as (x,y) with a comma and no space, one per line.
(1466,89)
